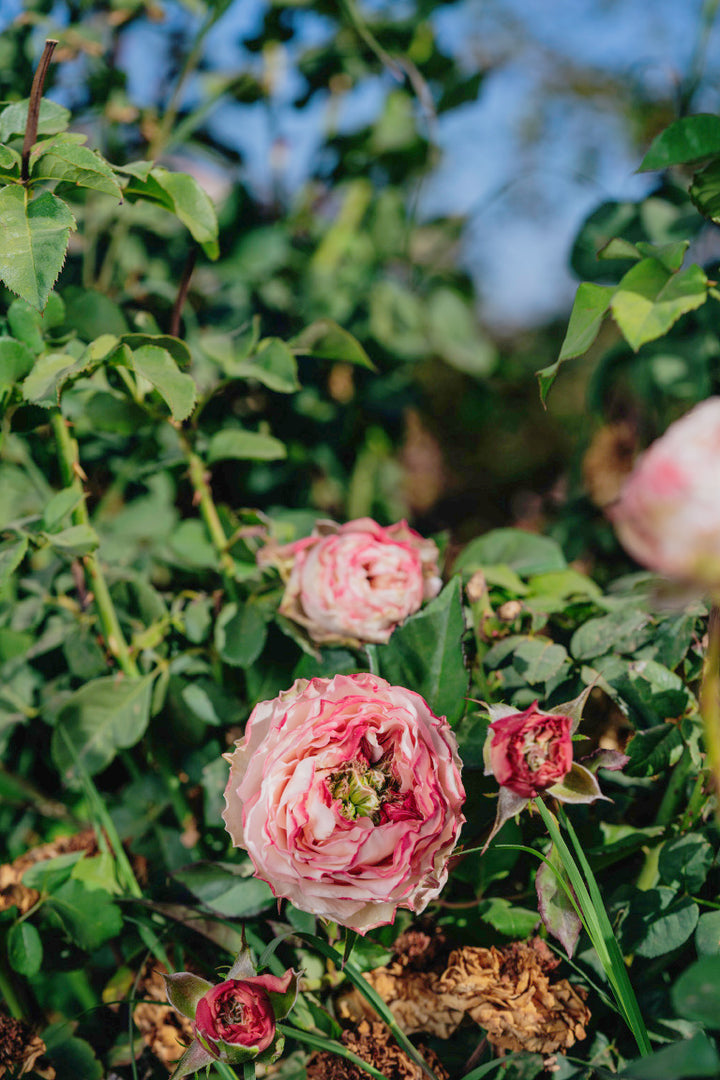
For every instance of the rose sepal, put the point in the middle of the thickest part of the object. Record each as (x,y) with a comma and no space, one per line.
(195,1058)
(508,805)
(578,786)
(184,990)
(284,997)
(243,965)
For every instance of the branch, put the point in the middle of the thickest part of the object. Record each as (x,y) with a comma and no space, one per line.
(34,107)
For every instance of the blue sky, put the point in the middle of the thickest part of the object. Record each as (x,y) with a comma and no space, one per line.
(526,161)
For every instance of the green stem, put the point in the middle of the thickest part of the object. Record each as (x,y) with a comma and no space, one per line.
(7,990)
(67,449)
(710,698)
(208,510)
(695,802)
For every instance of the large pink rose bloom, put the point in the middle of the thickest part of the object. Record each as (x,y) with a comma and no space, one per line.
(346,793)
(355,582)
(668,512)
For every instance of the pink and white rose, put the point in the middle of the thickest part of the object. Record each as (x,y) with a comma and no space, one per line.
(668,512)
(356,582)
(346,793)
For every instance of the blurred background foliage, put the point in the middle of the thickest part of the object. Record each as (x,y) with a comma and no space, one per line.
(320,130)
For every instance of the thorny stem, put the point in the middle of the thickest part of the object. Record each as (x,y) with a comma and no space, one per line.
(34,107)
(208,510)
(182,293)
(69,465)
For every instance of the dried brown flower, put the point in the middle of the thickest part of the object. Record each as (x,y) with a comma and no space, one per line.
(12,891)
(414,1000)
(373,1043)
(508,992)
(21,1050)
(165,1031)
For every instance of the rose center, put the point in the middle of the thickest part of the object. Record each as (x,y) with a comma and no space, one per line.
(231,1012)
(362,788)
(536,752)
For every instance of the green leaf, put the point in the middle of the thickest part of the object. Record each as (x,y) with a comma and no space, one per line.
(658,922)
(53,118)
(685,862)
(328,341)
(15,361)
(690,139)
(62,503)
(71,1057)
(223,888)
(60,159)
(556,909)
(590,307)
(93,315)
(426,654)
(75,541)
(654,750)
(27,324)
(705,191)
(508,918)
(10,160)
(273,365)
(88,916)
(623,631)
(455,335)
(240,633)
(184,197)
(525,553)
(696,993)
(244,446)
(649,300)
(686,1060)
(44,384)
(11,555)
(175,387)
(100,718)
(33,241)
(707,935)
(177,348)
(24,948)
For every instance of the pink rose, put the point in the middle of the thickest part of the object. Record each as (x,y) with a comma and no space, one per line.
(530,751)
(239,1012)
(668,512)
(346,793)
(356,582)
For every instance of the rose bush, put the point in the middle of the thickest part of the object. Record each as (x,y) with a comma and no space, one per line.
(668,512)
(346,793)
(355,582)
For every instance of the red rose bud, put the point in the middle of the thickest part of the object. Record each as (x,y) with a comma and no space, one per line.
(238,1012)
(530,751)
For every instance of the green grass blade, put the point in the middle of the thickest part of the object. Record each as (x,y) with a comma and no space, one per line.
(371,996)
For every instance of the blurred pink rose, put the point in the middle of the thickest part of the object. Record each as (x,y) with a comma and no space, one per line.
(668,512)
(355,582)
(346,793)
(530,751)
(239,1012)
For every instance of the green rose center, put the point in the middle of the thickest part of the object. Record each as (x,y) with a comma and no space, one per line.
(362,788)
